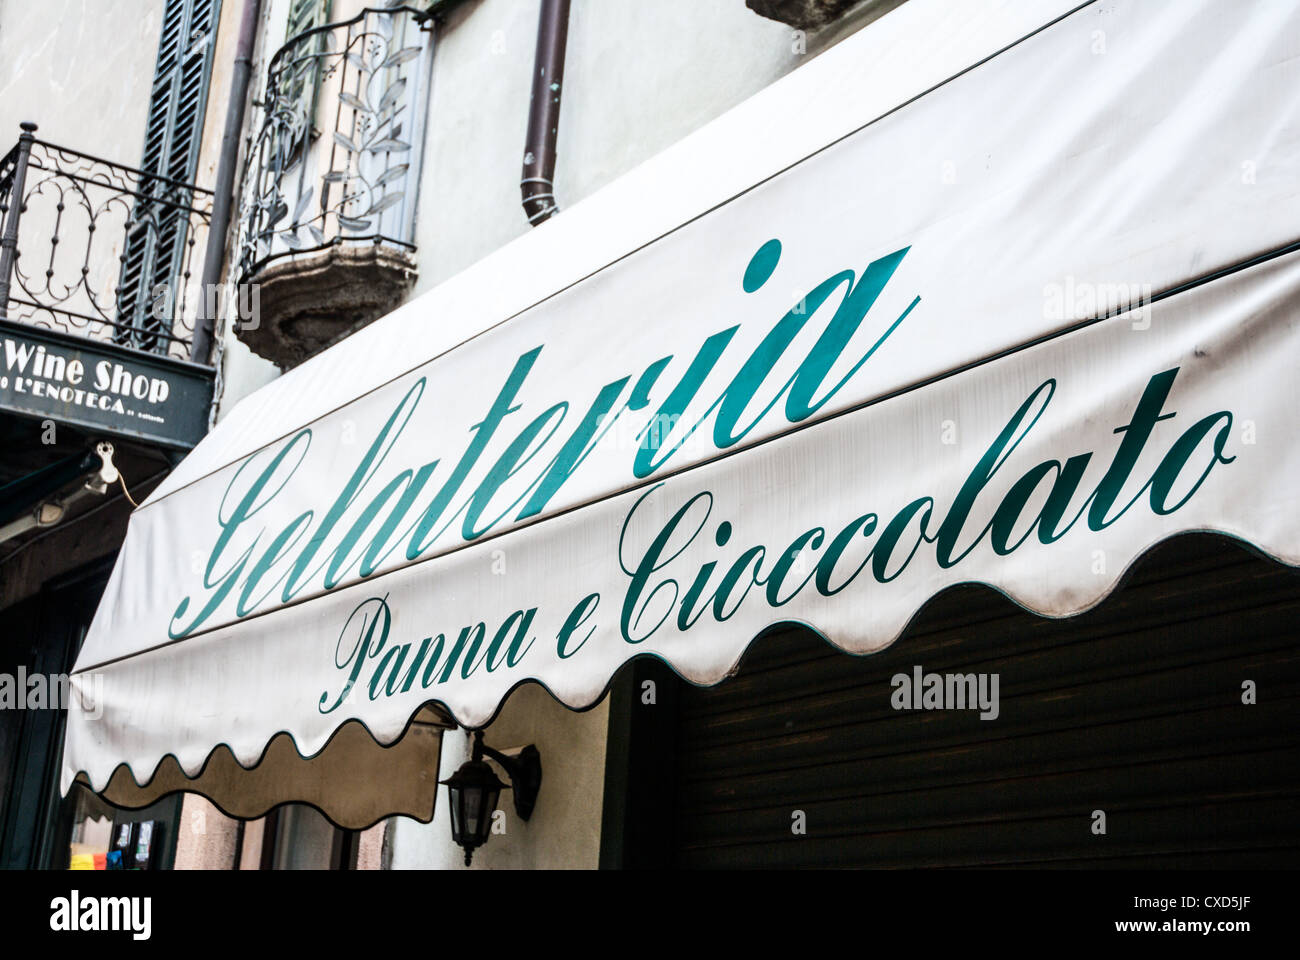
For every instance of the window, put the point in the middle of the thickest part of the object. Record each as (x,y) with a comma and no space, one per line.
(298,837)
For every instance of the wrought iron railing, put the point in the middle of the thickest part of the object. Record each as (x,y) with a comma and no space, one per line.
(98,249)
(335,158)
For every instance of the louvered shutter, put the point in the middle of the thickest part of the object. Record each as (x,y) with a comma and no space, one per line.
(1134,707)
(155,246)
(303,75)
(305,15)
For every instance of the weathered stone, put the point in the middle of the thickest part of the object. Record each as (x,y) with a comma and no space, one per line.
(802,14)
(307,303)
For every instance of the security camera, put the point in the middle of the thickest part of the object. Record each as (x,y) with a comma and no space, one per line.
(107,474)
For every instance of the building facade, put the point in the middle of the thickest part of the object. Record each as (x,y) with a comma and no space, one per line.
(408,184)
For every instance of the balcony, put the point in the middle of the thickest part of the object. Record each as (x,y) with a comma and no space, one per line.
(101,250)
(329,187)
(97,304)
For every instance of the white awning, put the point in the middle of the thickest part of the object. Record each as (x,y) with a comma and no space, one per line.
(889,326)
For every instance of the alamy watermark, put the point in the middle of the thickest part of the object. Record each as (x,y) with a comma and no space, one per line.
(1085,300)
(75,913)
(949,691)
(628,433)
(53,691)
(209,300)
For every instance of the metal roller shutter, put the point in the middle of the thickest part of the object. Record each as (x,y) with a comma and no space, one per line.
(1134,708)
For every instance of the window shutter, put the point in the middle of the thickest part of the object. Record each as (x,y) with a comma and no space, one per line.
(155,246)
(305,15)
(304,78)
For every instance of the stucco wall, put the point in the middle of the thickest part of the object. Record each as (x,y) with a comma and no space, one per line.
(638,76)
(57,70)
(564,830)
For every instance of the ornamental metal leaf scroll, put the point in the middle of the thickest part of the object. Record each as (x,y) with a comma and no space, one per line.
(306,189)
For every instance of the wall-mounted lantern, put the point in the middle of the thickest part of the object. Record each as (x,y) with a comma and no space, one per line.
(474,789)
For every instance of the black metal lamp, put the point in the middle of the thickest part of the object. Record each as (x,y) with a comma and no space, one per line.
(474,789)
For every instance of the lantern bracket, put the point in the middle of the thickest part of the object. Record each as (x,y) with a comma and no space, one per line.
(524,771)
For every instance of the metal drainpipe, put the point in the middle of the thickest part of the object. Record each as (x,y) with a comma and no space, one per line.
(215,254)
(537,185)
